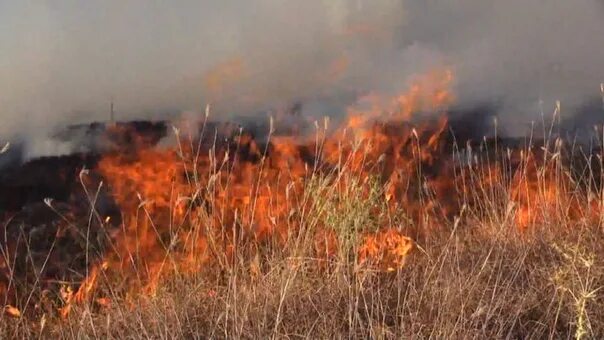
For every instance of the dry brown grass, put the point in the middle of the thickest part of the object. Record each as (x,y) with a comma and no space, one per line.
(487,283)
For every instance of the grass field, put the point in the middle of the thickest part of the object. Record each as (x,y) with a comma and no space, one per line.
(349,256)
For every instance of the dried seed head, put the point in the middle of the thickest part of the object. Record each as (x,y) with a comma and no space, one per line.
(5,148)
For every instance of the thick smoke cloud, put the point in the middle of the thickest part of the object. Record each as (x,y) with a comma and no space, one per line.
(63,61)
(519,52)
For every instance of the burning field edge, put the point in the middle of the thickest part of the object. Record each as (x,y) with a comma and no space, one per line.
(392,224)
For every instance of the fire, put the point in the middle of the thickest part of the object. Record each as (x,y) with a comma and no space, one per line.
(167,214)
(427,93)
(195,204)
(388,248)
(153,193)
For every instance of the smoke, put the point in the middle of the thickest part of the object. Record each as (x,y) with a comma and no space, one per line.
(63,62)
(525,54)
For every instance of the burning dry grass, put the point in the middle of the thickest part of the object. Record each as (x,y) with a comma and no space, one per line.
(346,270)
(391,231)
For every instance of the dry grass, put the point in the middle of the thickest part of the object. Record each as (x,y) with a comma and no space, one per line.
(485,283)
(476,276)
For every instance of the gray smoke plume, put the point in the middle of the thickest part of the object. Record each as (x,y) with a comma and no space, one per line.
(63,61)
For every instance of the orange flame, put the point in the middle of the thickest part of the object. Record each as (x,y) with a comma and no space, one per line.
(174,202)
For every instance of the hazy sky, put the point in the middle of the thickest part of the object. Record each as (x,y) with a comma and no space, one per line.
(62,61)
